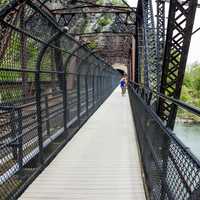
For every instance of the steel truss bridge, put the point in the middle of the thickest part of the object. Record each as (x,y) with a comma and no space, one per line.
(56,70)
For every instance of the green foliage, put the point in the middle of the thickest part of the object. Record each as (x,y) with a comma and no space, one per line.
(185,95)
(191,86)
(11,95)
(4,2)
(118,2)
(104,21)
(12,53)
(187,80)
(114,2)
(32,51)
(196,80)
(100,2)
(92,45)
(191,92)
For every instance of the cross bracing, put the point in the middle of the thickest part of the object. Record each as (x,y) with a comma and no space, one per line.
(56,62)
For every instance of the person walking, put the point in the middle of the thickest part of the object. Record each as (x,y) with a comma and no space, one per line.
(123,85)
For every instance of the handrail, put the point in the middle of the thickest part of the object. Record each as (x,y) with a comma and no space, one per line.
(171,170)
(182,104)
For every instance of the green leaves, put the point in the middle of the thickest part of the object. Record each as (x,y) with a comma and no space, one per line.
(191,86)
(92,44)
(104,21)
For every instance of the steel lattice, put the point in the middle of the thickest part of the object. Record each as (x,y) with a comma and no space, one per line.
(50,84)
(151,67)
(160,33)
(172,171)
(178,40)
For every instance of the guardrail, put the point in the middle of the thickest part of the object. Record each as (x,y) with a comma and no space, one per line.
(171,170)
(50,85)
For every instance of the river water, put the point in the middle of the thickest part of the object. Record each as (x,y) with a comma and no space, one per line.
(189,134)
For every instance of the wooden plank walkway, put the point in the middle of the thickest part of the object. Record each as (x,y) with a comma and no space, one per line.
(100,163)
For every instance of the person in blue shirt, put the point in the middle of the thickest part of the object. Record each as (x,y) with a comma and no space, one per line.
(123,85)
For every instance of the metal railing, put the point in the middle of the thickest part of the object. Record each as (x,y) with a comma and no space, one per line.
(172,172)
(49,86)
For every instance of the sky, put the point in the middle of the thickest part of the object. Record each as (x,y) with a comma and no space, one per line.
(194,51)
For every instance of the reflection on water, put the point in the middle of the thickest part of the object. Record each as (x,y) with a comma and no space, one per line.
(189,134)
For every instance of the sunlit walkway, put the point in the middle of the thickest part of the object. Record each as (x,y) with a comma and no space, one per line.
(100,163)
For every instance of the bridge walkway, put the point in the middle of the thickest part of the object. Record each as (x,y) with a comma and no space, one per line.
(100,163)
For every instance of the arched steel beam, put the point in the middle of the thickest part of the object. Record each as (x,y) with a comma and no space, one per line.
(72,54)
(38,92)
(84,59)
(54,23)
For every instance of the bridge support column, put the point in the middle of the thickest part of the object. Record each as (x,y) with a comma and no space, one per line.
(132,57)
(178,38)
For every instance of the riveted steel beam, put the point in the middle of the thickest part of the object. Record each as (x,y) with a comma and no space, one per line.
(179,32)
(151,68)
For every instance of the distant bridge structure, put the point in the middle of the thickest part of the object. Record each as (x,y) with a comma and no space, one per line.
(58,65)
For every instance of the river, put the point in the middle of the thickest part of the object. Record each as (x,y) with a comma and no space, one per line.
(189,134)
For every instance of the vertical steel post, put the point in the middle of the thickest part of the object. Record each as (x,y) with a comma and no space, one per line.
(78,99)
(23,54)
(100,87)
(38,95)
(151,68)
(99,80)
(103,85)
(96,86)
(13,131)
(97,91)
(20,140)
(64,93)
(86,94)
(39,112)
(93,90)
(47,115)
(160,36)
(139,58)
(178,38)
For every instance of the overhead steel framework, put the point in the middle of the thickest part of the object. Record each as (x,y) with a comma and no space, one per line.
(178,38)
(161,56)
(56,60)
(81,14)
(172,171)
(77,15)
(50,83)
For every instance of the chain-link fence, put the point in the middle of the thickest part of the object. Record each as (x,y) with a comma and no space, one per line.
(172,172)
(49,86)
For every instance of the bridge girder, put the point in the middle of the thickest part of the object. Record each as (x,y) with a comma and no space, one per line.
(67,13)
(161,62)
(179,32)
(123,25)
(148,69)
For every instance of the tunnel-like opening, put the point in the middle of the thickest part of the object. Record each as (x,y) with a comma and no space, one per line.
(122,72)
(121,68)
